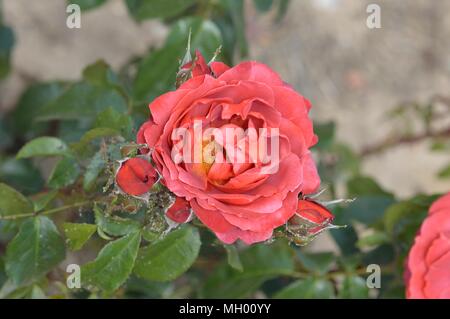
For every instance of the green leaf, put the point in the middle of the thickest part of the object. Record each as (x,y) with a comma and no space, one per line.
(236,11)
(367,209)
(6,134)
(12,291)
(363,185)
(319,263)
(21,174)
(43,146)
(34,251)
(65,173)
(205,35)
(380,255)
(93,170)
(6,45)
(3,277)
(263,5)
(114,225)
(325,132)
(375,239)
(403,220)
(93,134)
(29,107)
(12,202)
(346,239)
(260,263)
(100,74)
(261,259)
(87,4)
(416,207)
(37,293)
(307,289)
(112,119)
(354,287)
(169,257)
(42,200)
(444,172)
(233,257)
(83,100)
(71,131)
(78,234)
(113,264)
(147,9)
(138,288)
(440,145)
(157,71)
(348,161)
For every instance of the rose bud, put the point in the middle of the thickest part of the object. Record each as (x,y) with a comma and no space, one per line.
(310,219)
(180,211)
(199,67)
(136,176)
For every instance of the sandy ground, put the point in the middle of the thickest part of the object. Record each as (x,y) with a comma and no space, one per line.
(351,73)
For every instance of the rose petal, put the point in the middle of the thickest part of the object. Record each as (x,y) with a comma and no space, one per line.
(136,176)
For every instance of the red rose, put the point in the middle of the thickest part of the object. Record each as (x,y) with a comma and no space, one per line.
(136,176)
(179,211)
(199,66)
(310,219)
(237,199)
(427,273)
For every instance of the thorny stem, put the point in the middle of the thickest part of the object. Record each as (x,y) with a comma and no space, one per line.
(46,212)
(392,142)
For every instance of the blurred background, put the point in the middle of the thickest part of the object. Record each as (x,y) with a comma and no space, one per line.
(381,97)
(353,75)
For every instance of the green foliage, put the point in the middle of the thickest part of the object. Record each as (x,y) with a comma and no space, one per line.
(113,264)
(6,45)
(83,100)
(319,263)
(114,225)
(78,234)
(93,170)
(308,288)
(64,174)
(21,174)
(12,202)
(233,257)
(444,172)
(29,107)
(87,4)
(44,146)
(259,262)
(147,9)
(34,251)
(263,5)
(169,257)
(354,287)
(156,73)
